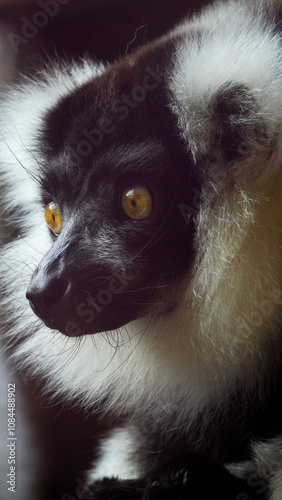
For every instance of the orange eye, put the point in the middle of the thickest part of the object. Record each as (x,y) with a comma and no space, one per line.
(53,218)
(137,202)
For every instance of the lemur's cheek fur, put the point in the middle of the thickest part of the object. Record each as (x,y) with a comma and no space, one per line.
(147,193)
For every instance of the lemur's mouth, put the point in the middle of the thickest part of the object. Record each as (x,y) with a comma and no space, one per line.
(50,322)
(85,317)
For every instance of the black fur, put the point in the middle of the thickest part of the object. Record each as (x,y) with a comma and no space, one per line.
(197,479)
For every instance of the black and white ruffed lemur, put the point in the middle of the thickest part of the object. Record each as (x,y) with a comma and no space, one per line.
(147,194)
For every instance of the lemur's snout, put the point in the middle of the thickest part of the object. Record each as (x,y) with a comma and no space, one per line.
(77,299)
(48,298)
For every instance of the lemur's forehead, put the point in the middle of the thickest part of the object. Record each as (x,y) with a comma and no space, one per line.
(69,178)
(129,100)
(148,158)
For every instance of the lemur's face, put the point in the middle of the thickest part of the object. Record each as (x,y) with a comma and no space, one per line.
(114,176)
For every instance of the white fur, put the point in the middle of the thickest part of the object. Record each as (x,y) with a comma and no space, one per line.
(116,459)
(265,463)
(22,111)
(238,46)
(276,486)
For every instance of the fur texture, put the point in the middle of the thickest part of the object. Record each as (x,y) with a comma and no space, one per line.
(203,358)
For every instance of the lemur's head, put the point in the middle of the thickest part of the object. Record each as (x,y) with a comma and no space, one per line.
(125,161)
(114,177)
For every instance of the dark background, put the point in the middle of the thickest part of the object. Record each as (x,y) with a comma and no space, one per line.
(102,28)
(64,437)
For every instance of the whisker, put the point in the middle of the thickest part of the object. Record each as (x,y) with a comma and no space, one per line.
(35,178)
(134,349)
(153,287)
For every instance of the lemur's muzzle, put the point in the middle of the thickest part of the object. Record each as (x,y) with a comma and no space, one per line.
(72,294)
(48,299)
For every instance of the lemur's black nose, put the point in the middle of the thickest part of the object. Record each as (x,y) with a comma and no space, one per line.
(46,298)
